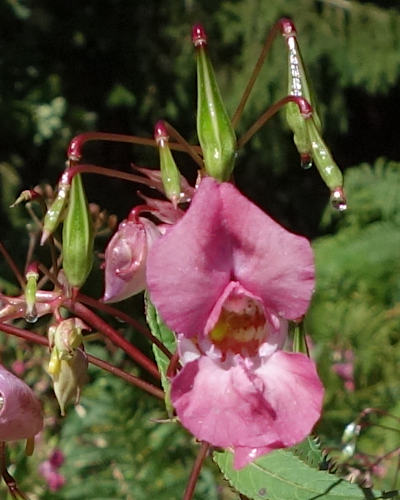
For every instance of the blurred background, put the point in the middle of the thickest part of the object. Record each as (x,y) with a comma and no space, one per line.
(119,66)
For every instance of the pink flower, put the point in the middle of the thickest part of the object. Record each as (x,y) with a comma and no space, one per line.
(57,458)
(125,258)
(18,367)
(54,479)
(345,369)
(20,410)
(226,277)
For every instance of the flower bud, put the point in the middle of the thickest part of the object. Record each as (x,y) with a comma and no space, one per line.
(66,337)
(171,178)
(77,236)
(20,411)
(32,276)
(214,128)
(125,258)
(69,380)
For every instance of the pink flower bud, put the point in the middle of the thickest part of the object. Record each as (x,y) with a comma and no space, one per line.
(20,410)
(125,259)
(54,479)
(57,458)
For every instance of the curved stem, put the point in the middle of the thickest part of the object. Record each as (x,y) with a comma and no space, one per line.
(257,68)
(96,322)
(194,475)
(131,379)
(304,107)
(8,479)
(107,172)
(188,147)
(13,266)
(125,317)
(77,143)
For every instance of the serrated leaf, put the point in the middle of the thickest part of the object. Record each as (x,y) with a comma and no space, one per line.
(309,451)
(281,476)
(167,337)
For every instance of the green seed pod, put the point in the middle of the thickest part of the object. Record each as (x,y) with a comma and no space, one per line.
(55,213)
(170,176)
(299,86)
(77,236)
(214,128)
(328,169)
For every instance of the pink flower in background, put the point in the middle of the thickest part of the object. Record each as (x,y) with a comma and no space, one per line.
(234,277)
(20,410)
(18,367)
(49,470)
(345,368)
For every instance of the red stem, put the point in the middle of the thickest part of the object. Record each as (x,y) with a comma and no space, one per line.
(189,148)
(131,379)
(194,475)
(107,172)
(8,479)
(125,317)
(76,145)
(12,265)
(97,323)
(304,108)
(257,68)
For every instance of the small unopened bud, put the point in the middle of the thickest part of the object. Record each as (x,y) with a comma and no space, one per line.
(171,178)
(69,380)
(349,440)
(77,245)
(20,410)
(64,340)
(214,127)
(125,258)
(67,336)
(26,195)
(32,276)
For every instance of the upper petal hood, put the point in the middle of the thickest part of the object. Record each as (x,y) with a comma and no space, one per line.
(225,237)
(189,267)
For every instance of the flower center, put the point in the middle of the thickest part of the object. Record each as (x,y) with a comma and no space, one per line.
(241,327)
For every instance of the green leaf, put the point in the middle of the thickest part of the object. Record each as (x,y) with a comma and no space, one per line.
(281,476)
(309,451)
(167,337)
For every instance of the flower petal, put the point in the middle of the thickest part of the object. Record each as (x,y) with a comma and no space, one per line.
(221,405)
(224,237)
(125,259)
(273,406)
(189,267)
(294,390)
(268,260)
(20,410)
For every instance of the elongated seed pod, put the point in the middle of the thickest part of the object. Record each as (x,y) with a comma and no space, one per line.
(77,236)
(214,127)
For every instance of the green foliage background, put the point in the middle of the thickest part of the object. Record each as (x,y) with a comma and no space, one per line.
(118,66)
